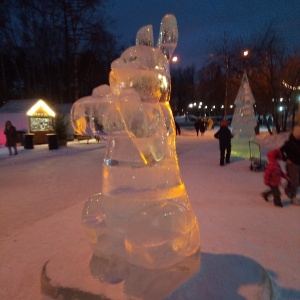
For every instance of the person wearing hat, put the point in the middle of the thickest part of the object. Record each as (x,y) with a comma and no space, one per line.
(224,136)
(291,155)
(272,177)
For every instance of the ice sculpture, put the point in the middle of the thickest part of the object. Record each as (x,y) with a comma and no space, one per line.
(243,121)
(142,214)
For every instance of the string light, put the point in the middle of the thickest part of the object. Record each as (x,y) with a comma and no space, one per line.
(40,104)
(294,88)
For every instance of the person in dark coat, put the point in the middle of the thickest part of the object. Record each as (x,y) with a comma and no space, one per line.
(11,137)
(177,127)
(197,126)
(291,155)
(202,126)
(224,136)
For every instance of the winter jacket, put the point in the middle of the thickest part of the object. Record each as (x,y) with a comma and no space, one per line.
(224,135)
(202,126)
(11,136)
(291,150)
(273,172)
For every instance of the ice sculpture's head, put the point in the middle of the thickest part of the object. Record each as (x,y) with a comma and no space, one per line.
(146,70)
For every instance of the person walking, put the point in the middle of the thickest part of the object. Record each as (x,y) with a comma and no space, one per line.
(224,136)
(210,123)
(11,137)
(197,126)
(291,155)
(202,125)
(177,127)
(272,177)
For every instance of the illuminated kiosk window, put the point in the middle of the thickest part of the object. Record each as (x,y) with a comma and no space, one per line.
(40,117)
(40,120)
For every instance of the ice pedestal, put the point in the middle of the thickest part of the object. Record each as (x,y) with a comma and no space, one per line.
(89,277)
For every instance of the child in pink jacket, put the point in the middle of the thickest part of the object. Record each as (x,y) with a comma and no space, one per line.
(272,177)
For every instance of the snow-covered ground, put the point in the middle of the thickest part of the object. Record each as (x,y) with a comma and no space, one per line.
(42,194)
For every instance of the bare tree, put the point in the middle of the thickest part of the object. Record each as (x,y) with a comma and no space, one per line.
(267,59)
(183,87)
(47,44)
(264,67)
(291,83)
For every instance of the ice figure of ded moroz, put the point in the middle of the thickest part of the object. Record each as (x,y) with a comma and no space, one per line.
(142,214)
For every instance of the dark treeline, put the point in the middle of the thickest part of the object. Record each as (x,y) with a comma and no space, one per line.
(58,50)
(273,73)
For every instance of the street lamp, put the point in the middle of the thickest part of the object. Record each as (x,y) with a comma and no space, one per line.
(245,54)
(175,59)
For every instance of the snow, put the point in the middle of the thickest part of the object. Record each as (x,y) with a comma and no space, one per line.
(42,194)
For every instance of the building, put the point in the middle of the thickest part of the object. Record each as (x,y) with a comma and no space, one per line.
(33,116)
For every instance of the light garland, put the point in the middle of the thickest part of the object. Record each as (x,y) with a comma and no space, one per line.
(294,88)
(40,104)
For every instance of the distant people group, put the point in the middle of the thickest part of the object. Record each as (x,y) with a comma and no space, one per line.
(289,152)
(200,125)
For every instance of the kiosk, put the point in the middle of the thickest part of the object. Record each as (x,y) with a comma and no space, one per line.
(41,118)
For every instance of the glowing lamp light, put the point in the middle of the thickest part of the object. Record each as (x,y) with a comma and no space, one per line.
(174,59)
(40,104)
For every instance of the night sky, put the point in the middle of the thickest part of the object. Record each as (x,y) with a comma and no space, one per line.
(199,22)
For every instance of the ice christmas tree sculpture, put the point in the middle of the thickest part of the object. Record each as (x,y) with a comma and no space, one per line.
(142,214)
(243,121)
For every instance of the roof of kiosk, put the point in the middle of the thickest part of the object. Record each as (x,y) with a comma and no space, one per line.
(28,106)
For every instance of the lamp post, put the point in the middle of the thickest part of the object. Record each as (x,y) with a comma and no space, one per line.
(245,54)
(298,116)
(226,86)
